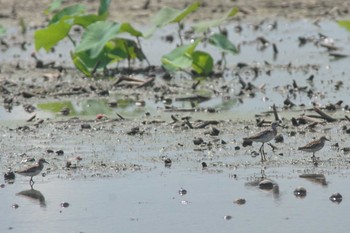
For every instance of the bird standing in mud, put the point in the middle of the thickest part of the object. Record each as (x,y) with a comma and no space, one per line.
(314,146)
(33,170)
(264,136)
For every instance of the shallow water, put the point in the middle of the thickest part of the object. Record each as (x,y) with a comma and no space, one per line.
(150,202)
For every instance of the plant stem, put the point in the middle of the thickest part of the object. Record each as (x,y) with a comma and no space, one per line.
(179,33)
(139,44)
(71,39)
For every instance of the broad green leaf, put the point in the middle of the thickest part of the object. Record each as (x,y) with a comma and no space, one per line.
(170,15)
(86,20)
(205,25)
(54,6)
(2,30)
(104,5)
(202,62)
(179,58)
(345,24)
(48,37)
(127,27)
(68,11)
(96,36)
(120,49)
(221,41)
(86,64)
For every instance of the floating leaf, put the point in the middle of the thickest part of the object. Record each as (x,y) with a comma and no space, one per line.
(345,24)
(221,41)
(202,62)
(104,5)
(179,58)
(2,30)
(169,15)
(96,36)
(68,11)
(48,37)
(205,25)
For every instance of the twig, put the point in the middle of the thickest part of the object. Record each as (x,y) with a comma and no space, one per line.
(324,115)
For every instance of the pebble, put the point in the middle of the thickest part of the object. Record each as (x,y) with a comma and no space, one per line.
(336,197)
(266,184)
(300,192)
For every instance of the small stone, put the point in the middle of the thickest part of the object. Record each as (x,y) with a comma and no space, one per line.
(204,165)
(60,152)
(65,111)
(266,184)
(214,131)
(247,143)
(85,126)
(198,141)
(15,206)
(182,192)
(336,197)
(279,138)
(239,201)
(9,176)
(167,162)
(300,192)
(227,217)
(237,148)
(64,204)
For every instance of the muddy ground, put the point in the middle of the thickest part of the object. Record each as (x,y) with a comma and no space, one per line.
(153,136)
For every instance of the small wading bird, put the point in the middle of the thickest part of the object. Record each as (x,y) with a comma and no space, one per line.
(314,146)
(264,136)
(33,170)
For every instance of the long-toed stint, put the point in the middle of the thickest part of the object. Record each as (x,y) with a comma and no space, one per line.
(314,146)
(264,136)
(33,170)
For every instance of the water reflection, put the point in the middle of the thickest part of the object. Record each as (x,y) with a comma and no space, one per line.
(265,184)
(315,178)
(34,195)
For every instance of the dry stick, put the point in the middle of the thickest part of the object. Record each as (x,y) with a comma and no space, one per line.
(275,112)
(206,123)
(123,78)
(146,82)
(120,116)
(324,115)
(346,117)
(310,119)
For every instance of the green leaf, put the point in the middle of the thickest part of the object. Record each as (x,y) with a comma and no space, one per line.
(48,37)
(202,62)
(86,20)
(86,64)
(96,36)
(169,15)
(68,11)
(345,24)
(2,30)
(54,6)
(127,27)
(179,58)
(120,49)
(104,5)
(221,41)
(205,25)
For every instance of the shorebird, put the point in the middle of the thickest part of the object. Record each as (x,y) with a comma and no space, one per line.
(264,136)
(314,146)
(33,170)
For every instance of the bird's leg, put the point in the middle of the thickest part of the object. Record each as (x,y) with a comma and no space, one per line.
(262,153)
(31,181)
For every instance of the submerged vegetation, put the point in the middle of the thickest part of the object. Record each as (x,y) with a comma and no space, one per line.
(104,42)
